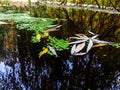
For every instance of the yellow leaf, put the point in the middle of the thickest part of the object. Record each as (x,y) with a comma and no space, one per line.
(38,36)
(46,34)
(43,52)
(99,45)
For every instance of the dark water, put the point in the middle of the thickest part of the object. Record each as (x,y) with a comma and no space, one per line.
(21,69)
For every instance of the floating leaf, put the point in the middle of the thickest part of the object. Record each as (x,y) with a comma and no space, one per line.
(90,44)
(76,42)
(58,26)
(53,51)
(43,52)
(101,41)
(74,38)
(99,45)
(80,54)
(91,32)
(85,37)
(73,49)
(80,47)
(94,36)
(79,34)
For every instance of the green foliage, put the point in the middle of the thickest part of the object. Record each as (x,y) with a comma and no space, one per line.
(58,44)
(54,44)
(35,25)
(39,27)
(116,45)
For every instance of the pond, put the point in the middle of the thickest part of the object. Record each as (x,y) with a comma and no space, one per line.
(20,67)
(81,21)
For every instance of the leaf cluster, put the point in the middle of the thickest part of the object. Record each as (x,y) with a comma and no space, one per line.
(58,44)
(40,28)
(82,41)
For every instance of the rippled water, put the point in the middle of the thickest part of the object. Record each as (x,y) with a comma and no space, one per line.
(21,69)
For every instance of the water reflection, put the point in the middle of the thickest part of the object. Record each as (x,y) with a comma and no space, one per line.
(81,21)
(20,67)
(93,71)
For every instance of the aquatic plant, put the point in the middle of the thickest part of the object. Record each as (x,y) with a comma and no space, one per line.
(82,44)
(42,29)
(54,44)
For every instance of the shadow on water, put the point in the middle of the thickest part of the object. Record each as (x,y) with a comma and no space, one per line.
(20,69)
